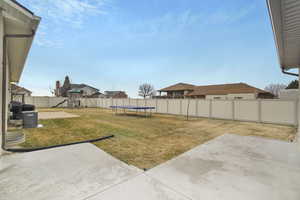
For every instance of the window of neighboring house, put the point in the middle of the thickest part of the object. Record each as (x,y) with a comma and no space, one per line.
(217,97)
(238,97)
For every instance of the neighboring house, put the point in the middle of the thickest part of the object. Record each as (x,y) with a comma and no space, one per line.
(97,95)
(18,90)
(85,90)
(223,91)
(115,94)
(178,90)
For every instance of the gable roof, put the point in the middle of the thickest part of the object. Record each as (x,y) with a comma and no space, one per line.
(178,87)
(18,89)
(82,85)
(23,7)
(224,89)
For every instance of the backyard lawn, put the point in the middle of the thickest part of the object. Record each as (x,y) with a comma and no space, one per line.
(143,142)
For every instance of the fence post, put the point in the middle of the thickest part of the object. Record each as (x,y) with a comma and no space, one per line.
(167,106)
(197,102)
(233,109)
(210,108)
(180,107)
(156,105)
(259,111)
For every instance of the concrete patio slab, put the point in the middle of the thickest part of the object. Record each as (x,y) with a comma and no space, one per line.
(228,167)
(141,187)
(235,167)
(55,115)
(74,172)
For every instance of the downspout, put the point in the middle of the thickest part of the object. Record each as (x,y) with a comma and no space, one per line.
(4,81)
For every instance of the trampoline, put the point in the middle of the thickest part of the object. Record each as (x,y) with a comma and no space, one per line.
(136,108)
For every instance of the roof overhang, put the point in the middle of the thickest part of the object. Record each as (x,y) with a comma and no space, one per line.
(17,20)
(285,19)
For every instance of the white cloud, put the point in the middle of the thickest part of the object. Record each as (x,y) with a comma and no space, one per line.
(225,16)
(62,14)
(73,12)
(172,23)
(168,23)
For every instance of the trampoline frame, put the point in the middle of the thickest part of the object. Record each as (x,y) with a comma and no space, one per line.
(136,108)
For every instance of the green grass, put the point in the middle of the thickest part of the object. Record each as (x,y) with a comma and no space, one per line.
(143,142)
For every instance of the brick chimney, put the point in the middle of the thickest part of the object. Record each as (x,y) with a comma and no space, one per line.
(57,87)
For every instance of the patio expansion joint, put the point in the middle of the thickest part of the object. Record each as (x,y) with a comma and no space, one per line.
(112,186)
(171,188)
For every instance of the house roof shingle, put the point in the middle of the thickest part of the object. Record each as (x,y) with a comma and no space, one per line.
(224,89)
(79,86)
(179,87)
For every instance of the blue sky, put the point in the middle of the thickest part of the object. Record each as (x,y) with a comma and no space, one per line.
(118,45)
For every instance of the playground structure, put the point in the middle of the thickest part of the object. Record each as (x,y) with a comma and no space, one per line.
(73,100)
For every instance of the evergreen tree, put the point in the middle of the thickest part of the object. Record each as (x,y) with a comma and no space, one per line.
(293,85)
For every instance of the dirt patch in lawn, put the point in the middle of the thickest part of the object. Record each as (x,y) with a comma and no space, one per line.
(56,115)
(144,142)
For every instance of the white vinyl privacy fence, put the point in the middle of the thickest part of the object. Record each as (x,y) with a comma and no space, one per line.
(264,110)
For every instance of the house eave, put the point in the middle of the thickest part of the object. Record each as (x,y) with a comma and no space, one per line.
(285,16)
(17,20)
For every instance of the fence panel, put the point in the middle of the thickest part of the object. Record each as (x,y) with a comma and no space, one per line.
(133,102)
(189,106)
(282,112)
(203,108)
(141,102)
(107,103)
(151,103)
(41,102)
(222,109)
(126,102)
(174,106)
(29,100)
(54,101)
(246,110)
(162,106)
(99,103)
(119,102)
(91,102)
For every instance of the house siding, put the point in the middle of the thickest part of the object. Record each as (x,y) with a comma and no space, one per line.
(232,96)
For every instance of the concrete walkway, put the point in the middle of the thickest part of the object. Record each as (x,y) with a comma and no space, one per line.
(74,172)
(235,167)
(228,167)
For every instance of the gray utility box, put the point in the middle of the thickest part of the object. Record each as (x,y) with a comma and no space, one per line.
(30,119)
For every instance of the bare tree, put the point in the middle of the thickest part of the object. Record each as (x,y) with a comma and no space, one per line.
(146,90)
(275,88)
(52,91)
